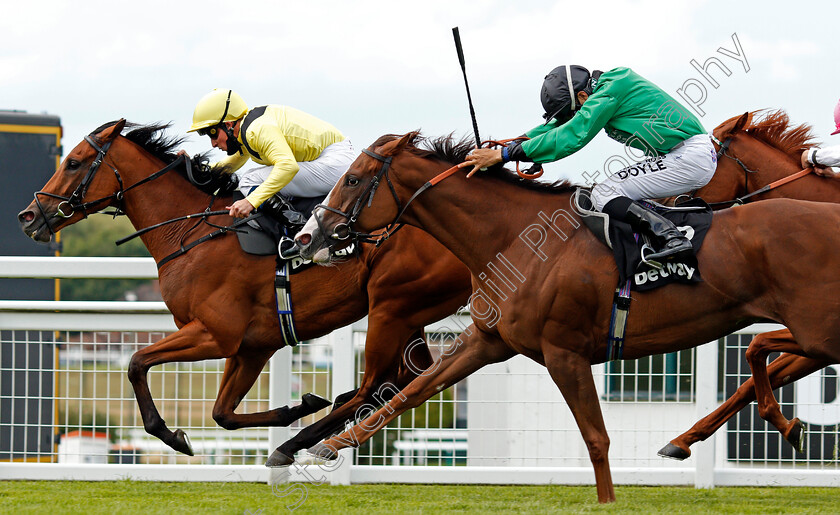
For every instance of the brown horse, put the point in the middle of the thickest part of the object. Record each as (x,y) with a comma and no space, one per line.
(223,299)
(760,152)
(551,301)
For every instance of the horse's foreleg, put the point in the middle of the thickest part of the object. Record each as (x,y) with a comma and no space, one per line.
(783,370)
(471,351)
(573,376)
(382,358)
(768,407)
(193,342)
(241,371)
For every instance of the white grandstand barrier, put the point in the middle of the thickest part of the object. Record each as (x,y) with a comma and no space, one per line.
(63,364)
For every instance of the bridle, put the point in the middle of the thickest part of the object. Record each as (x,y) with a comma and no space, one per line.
(76,201)
(724,152)
(344,230)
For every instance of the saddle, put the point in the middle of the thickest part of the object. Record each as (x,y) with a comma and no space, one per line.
(280,217)
(693,218)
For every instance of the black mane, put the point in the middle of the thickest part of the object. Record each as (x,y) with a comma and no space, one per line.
(153,139)
(452,150)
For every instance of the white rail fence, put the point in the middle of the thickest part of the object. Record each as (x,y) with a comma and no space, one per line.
(67,410)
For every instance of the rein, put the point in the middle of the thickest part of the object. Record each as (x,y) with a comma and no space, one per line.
(534,172)
(75,202)
(724,152)
(344,230)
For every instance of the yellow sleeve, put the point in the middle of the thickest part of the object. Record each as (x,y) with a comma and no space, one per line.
(273,148)
(232,163)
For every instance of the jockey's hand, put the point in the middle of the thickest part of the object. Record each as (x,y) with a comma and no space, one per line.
(824,171)
(240,208)
(184,153)
(481,159)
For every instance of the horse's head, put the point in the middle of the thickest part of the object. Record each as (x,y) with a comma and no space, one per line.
(365,199)
(754,153)
(80,186)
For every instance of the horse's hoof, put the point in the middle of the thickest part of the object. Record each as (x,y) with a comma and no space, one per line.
(796,437)
(673,452)
(278,459)
(315,403)
(323,451)
(181,443)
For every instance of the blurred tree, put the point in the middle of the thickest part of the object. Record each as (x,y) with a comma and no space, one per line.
(95,237)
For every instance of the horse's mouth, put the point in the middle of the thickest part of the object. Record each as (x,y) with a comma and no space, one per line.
(35,227)
(312,247)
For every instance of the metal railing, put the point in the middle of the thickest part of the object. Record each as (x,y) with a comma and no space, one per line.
(63,367)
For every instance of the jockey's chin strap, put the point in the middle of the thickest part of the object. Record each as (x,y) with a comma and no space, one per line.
(76,201)
(344,230)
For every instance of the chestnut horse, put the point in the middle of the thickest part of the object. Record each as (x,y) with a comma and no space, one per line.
(223,299)
(760,152)
(767,261)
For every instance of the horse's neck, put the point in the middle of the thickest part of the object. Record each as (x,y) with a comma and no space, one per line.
(165,198)
(481,217)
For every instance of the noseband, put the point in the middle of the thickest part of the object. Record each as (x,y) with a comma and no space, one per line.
(76,201)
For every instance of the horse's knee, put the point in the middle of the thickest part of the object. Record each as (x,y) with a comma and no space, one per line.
(225,420)
(599,448)
(754,353)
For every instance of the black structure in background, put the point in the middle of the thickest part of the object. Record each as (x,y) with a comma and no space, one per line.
(30,150)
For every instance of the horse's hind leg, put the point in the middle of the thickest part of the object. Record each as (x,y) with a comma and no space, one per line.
(241,371)
(768,407)
(783,370)
(193,342)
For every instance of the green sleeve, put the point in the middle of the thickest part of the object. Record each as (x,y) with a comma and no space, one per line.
(559,142)
(541,129)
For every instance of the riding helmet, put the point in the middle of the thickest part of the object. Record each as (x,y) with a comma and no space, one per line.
(220,105)
(558,94)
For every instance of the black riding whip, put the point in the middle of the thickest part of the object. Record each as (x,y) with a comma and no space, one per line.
(460,50)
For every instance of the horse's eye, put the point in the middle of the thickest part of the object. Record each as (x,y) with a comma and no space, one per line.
(72,164)
(352,180)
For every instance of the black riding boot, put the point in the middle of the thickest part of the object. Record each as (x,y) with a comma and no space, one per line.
(280,209)
(672,244)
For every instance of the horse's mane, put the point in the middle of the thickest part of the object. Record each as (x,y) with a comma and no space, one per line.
(774,128)
(451,150)
(153,139)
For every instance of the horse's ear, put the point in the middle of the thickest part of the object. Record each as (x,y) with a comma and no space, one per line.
(733,125)
(744,121)
(112,132)
(396,146)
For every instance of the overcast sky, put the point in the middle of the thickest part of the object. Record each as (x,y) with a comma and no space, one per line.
(376,67)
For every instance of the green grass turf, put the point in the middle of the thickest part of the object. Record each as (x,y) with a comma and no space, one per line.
(149,498)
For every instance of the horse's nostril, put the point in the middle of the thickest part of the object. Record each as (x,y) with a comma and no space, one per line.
(304,239)
(26,216)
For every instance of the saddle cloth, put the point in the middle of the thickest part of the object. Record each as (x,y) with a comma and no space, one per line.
(692,218)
